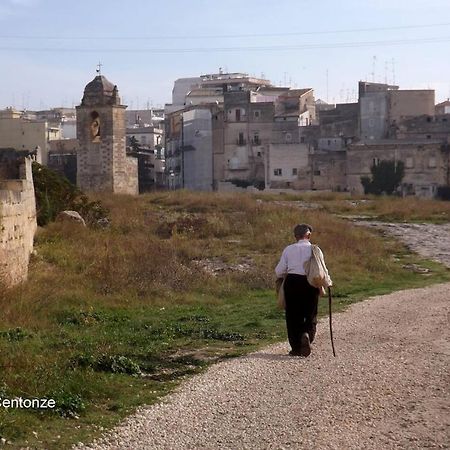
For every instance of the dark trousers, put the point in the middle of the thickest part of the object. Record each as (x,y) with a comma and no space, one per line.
(301,309)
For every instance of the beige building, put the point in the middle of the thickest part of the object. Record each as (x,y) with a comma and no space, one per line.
(426,164)
(288,158)
(443,107)
(148,137)
(21,133)
(247,135)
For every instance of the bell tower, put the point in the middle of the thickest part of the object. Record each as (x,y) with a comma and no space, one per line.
(102,161)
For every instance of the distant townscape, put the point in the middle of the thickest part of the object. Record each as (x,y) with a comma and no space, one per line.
(222,132)
(235,132)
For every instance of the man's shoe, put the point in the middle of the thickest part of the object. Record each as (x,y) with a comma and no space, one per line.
(295,353)
(305,345)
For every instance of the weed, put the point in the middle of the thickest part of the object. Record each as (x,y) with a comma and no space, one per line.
(67,404)
(15,334)
(107,363)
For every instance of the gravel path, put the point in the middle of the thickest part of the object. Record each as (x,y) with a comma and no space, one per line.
(388,388)
(428,240)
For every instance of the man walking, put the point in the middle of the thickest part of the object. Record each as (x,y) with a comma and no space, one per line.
(301,298)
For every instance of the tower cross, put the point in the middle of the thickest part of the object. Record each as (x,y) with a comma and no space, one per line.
(99,68)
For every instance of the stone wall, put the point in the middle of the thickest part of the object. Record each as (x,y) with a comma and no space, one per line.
(17,225)
(102,163)
(426,164)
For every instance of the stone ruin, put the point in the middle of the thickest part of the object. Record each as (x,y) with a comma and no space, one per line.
(17,218)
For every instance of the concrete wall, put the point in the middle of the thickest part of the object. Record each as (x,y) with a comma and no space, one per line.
(17,226)
(198,153)
(373,115)
(407,103)
(290,159)
(328,171)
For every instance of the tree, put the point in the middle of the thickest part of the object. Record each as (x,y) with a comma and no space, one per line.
(386,178)
(134,144)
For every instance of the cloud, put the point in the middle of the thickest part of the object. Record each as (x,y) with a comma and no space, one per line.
(13,7)
(407,5)
(25,3)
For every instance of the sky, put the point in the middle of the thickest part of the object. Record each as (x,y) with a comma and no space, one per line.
(49,50)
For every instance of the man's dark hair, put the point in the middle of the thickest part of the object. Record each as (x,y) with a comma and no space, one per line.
(301,230)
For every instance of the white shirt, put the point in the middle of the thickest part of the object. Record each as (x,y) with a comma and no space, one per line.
(293,258)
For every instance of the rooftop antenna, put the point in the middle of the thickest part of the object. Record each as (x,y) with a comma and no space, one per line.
(393,71)
(374,62)
(99,68)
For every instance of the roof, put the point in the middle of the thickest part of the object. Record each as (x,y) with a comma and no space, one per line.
(100,91)
(297,92)
(205,92)
(396,142)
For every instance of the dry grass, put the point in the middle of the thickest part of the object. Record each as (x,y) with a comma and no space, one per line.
(397,209)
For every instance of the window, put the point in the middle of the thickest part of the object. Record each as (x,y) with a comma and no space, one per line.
(409,162)
(256,114)
(241,140)
(294,171)
(258,154)
(432,162)
(256,140)
(288,137)
(238,115)
(302,139)
(428,136)
(317,172)
(277,172)
(329,142)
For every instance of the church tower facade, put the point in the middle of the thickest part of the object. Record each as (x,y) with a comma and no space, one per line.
(102,161)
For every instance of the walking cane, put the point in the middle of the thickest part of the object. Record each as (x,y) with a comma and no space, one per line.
(331,323)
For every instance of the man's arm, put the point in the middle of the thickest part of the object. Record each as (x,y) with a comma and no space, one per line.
(282,266)
(322,260)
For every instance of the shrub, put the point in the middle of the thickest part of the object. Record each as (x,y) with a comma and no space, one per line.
(107,363)
(386,178)
(55,193)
